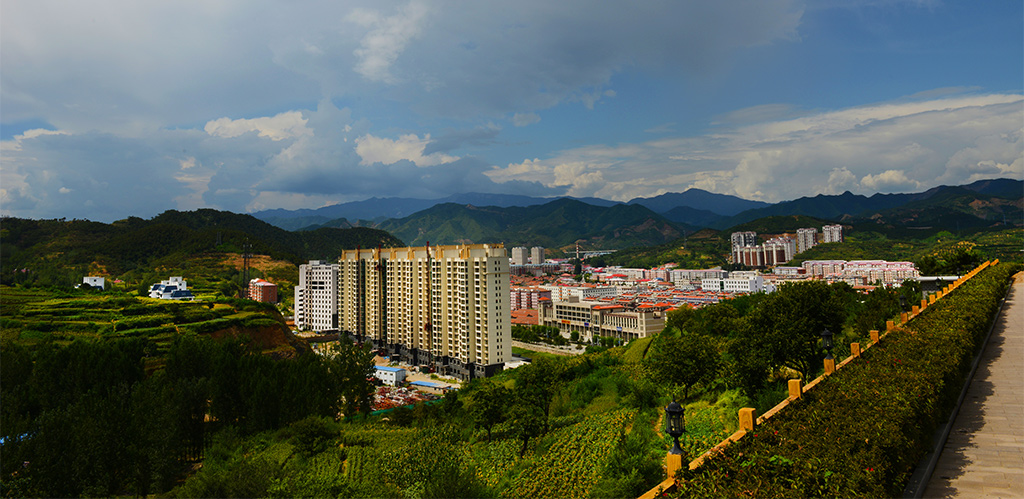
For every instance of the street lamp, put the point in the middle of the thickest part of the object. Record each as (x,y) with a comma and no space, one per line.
(903,303)
(826,343)
(675,425)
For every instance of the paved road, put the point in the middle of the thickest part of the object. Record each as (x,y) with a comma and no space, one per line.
(984,455)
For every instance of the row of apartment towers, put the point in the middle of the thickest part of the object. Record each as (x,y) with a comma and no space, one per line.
(523,256)
(779,250)
(442,306)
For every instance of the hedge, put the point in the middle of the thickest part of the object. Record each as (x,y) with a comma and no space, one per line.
(862,431)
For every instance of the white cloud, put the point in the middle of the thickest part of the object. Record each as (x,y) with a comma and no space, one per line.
(840,180)
(890,181)
(288,125)
(524,119)
(387,38)
(890,147)
(408,147)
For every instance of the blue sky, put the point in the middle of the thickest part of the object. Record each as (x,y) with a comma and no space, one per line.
(127,108)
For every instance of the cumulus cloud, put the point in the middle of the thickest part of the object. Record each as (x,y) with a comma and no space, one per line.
(890,181)
(840,180)
(286,125)
(407,147)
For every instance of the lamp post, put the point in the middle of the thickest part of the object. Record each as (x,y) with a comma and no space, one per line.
(826,343)
(903,303)
(675,426)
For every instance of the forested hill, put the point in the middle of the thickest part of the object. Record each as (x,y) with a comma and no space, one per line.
(134,242)
(559,223)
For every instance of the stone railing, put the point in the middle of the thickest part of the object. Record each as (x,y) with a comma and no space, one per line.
(747,416)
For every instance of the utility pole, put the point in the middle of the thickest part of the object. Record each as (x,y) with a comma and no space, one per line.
(246,249)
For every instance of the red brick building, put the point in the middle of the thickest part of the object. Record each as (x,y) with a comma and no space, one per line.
(264,291)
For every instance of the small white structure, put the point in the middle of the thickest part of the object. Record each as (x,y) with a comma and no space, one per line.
(95,282)
(174,288)
(390,376)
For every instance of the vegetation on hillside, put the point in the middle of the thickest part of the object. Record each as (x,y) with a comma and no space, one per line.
(553,225)
(832,441)
(61,252)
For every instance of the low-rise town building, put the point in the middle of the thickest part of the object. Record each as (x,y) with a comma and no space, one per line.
(174,288)
(591,319)
(262,291)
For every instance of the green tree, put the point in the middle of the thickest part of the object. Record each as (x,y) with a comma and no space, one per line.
(685,360)
(786,327)
(489,404)
(352,369)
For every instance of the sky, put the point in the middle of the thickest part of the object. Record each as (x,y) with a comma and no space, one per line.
(126,108)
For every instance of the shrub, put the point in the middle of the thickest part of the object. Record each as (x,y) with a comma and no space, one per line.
(862,431)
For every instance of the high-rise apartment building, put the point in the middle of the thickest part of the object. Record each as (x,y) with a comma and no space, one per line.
(805,239)
(520,255)
(537,255)
(743,239)
(832,234)
(316,297)
(444,306)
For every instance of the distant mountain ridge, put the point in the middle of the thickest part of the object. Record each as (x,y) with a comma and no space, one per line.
(854,206)
(693,207)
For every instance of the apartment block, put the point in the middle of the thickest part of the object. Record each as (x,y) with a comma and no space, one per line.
(316,297)
(527,297)
(444,306)
(742,239)
(832,234)
(520,255)
(537,255)
(806,239)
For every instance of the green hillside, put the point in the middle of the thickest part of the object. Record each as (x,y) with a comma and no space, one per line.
(556,224)
(60,252)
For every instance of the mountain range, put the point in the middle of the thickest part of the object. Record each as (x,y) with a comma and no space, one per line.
(506,217)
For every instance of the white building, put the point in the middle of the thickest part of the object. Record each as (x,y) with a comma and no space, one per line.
(520,255)
(805,239)
(745,281)
(95,282)
(174,288)
(743,239)
(390,376)
(445,306)
(316,297)
(537,255)
(591,319)
(593,292)
(832,234)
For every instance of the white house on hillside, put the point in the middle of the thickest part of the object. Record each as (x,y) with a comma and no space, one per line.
(174,288)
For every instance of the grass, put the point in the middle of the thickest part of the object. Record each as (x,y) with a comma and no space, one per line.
(522,352)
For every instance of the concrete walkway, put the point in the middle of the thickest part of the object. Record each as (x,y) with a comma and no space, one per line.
(984,455)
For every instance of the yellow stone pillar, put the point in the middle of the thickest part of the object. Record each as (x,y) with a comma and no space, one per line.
(830,366)
(673,463)
(890,325)
(748,418)
(874,336)
(855,349)
(796,389)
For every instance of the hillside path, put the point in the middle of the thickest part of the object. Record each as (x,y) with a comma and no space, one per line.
(984,455)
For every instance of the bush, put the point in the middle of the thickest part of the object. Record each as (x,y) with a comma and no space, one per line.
(862,431)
